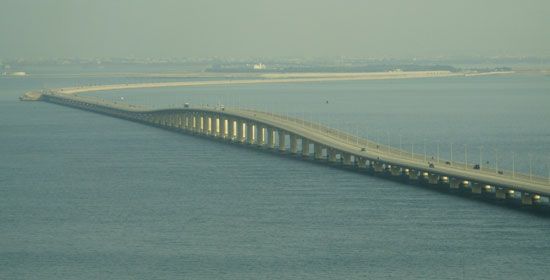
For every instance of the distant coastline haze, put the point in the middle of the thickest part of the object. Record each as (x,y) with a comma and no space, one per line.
(284,28)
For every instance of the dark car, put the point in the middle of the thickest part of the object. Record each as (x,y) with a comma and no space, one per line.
(477,167)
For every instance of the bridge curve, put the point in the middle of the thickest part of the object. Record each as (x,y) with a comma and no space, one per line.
(317,142)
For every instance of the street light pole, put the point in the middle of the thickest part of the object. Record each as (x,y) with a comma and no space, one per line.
(451,152)
(425,154)
(496,161)
(531,167)
(400,143)
(438,152)
(388,134)
(480,159)
(465,157)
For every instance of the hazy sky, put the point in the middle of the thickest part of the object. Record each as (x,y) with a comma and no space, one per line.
(276,28)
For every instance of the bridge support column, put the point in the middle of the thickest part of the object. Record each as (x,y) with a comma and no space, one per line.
(186,121)
(527,198)
(454,183)
(361,162)
(270,137)
(318,151)
(282,141)
(179,121)
(293,144)
(347,159)
(331,155)
(479,188)
(230,129)
(202,124)
(194,123)
(241,137)
(221,127)
(170,120)
(197,124)
(173,120)
(433,179)
(261,135)
(250,133)
(378,166)
(395,170)
(209,125)
(305,147)
(504,194)
(215,126)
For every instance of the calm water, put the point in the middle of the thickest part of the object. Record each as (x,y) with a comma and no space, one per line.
(85,196)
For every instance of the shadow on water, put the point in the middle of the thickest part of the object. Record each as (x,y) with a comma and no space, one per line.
(540,209)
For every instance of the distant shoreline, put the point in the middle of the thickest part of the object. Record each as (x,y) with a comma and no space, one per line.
(272,78)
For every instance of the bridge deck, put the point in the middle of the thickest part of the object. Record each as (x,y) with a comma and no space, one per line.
(348,144)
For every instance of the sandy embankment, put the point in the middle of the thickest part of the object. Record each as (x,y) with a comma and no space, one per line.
(270,78)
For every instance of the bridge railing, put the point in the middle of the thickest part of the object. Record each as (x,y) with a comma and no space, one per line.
(388,150)
(342,136)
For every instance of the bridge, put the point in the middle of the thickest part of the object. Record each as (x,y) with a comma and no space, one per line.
(313,141)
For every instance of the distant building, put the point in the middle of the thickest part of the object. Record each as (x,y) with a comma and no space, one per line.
(259,66)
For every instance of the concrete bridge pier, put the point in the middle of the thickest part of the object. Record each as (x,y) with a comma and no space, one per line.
(270,131)
(530,198)
(230,129)
(378,166)
(196,124)
(305,147)
(168,120)
(208,129)
(433,179)
(183,125)
(250,133)
(282,141)
(331,155)
(526,198)
(261,135)
(175,121)
(238,130)
(501,193)
(158,120)
(179,121)
(395,170)
(221,127)
(346,159)
(413,174)
(186,122)
(202,124)
(476,188)
(162,120)
(293,144)
(454,184)
(215,126)
(193,123)
(361,162)
(318,151)
(466,184)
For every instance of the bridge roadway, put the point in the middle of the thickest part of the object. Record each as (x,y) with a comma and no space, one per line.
(288,134)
